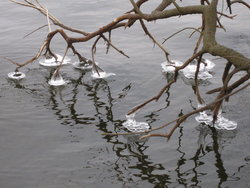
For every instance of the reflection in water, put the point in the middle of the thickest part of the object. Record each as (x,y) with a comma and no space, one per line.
(133,165)
(136,166)
(132,150)
(135,145)
(220,138)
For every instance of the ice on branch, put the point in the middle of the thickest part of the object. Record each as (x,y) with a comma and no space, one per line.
(53,62)
(169,67)
(84,65)
(203,117)
(220,123)
(56,80)
(98,73)
(224,123)
(132,125)
(189,71)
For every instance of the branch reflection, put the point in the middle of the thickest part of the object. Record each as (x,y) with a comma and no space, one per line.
(134,163)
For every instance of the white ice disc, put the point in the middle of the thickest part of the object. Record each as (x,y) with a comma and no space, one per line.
(16,75)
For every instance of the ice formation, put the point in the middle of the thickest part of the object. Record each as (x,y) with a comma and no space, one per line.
(189,71)
(224,123)
(52,62)
(16,75)
(170,66)
(100,74)
(204,70)
(203,117)
(83,65)
(132,125)
(56,80)
(220,123)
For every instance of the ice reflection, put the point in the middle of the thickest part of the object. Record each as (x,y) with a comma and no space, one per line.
(134,143)
(222,137)
(132,125)
(52,62)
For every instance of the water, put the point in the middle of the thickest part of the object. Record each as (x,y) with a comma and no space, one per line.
(52,136)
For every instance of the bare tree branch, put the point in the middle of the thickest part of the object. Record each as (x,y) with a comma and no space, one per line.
(206,43)
(242,2)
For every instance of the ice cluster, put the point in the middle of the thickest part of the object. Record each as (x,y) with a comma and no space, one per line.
(220,123)
(132,125)
(101,74)
(169,67)
(189,71)
(52,62)
(57,79)
(84,65)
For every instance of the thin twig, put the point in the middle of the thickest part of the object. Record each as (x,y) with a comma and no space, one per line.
(47,15)
(93,50)
(35,30)
(153,39)
(156,98)
(138,4)
(60,65)
(242,2)
(181,31)
(207,107)
(197,91)
(184,117)
(113,46)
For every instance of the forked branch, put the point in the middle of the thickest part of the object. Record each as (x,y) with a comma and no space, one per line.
(206,43)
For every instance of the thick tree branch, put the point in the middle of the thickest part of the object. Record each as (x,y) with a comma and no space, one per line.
(206,43)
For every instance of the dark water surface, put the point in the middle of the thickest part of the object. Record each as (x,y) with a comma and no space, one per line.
(52,137)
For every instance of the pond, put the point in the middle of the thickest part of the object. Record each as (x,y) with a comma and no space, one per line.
(53,136)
